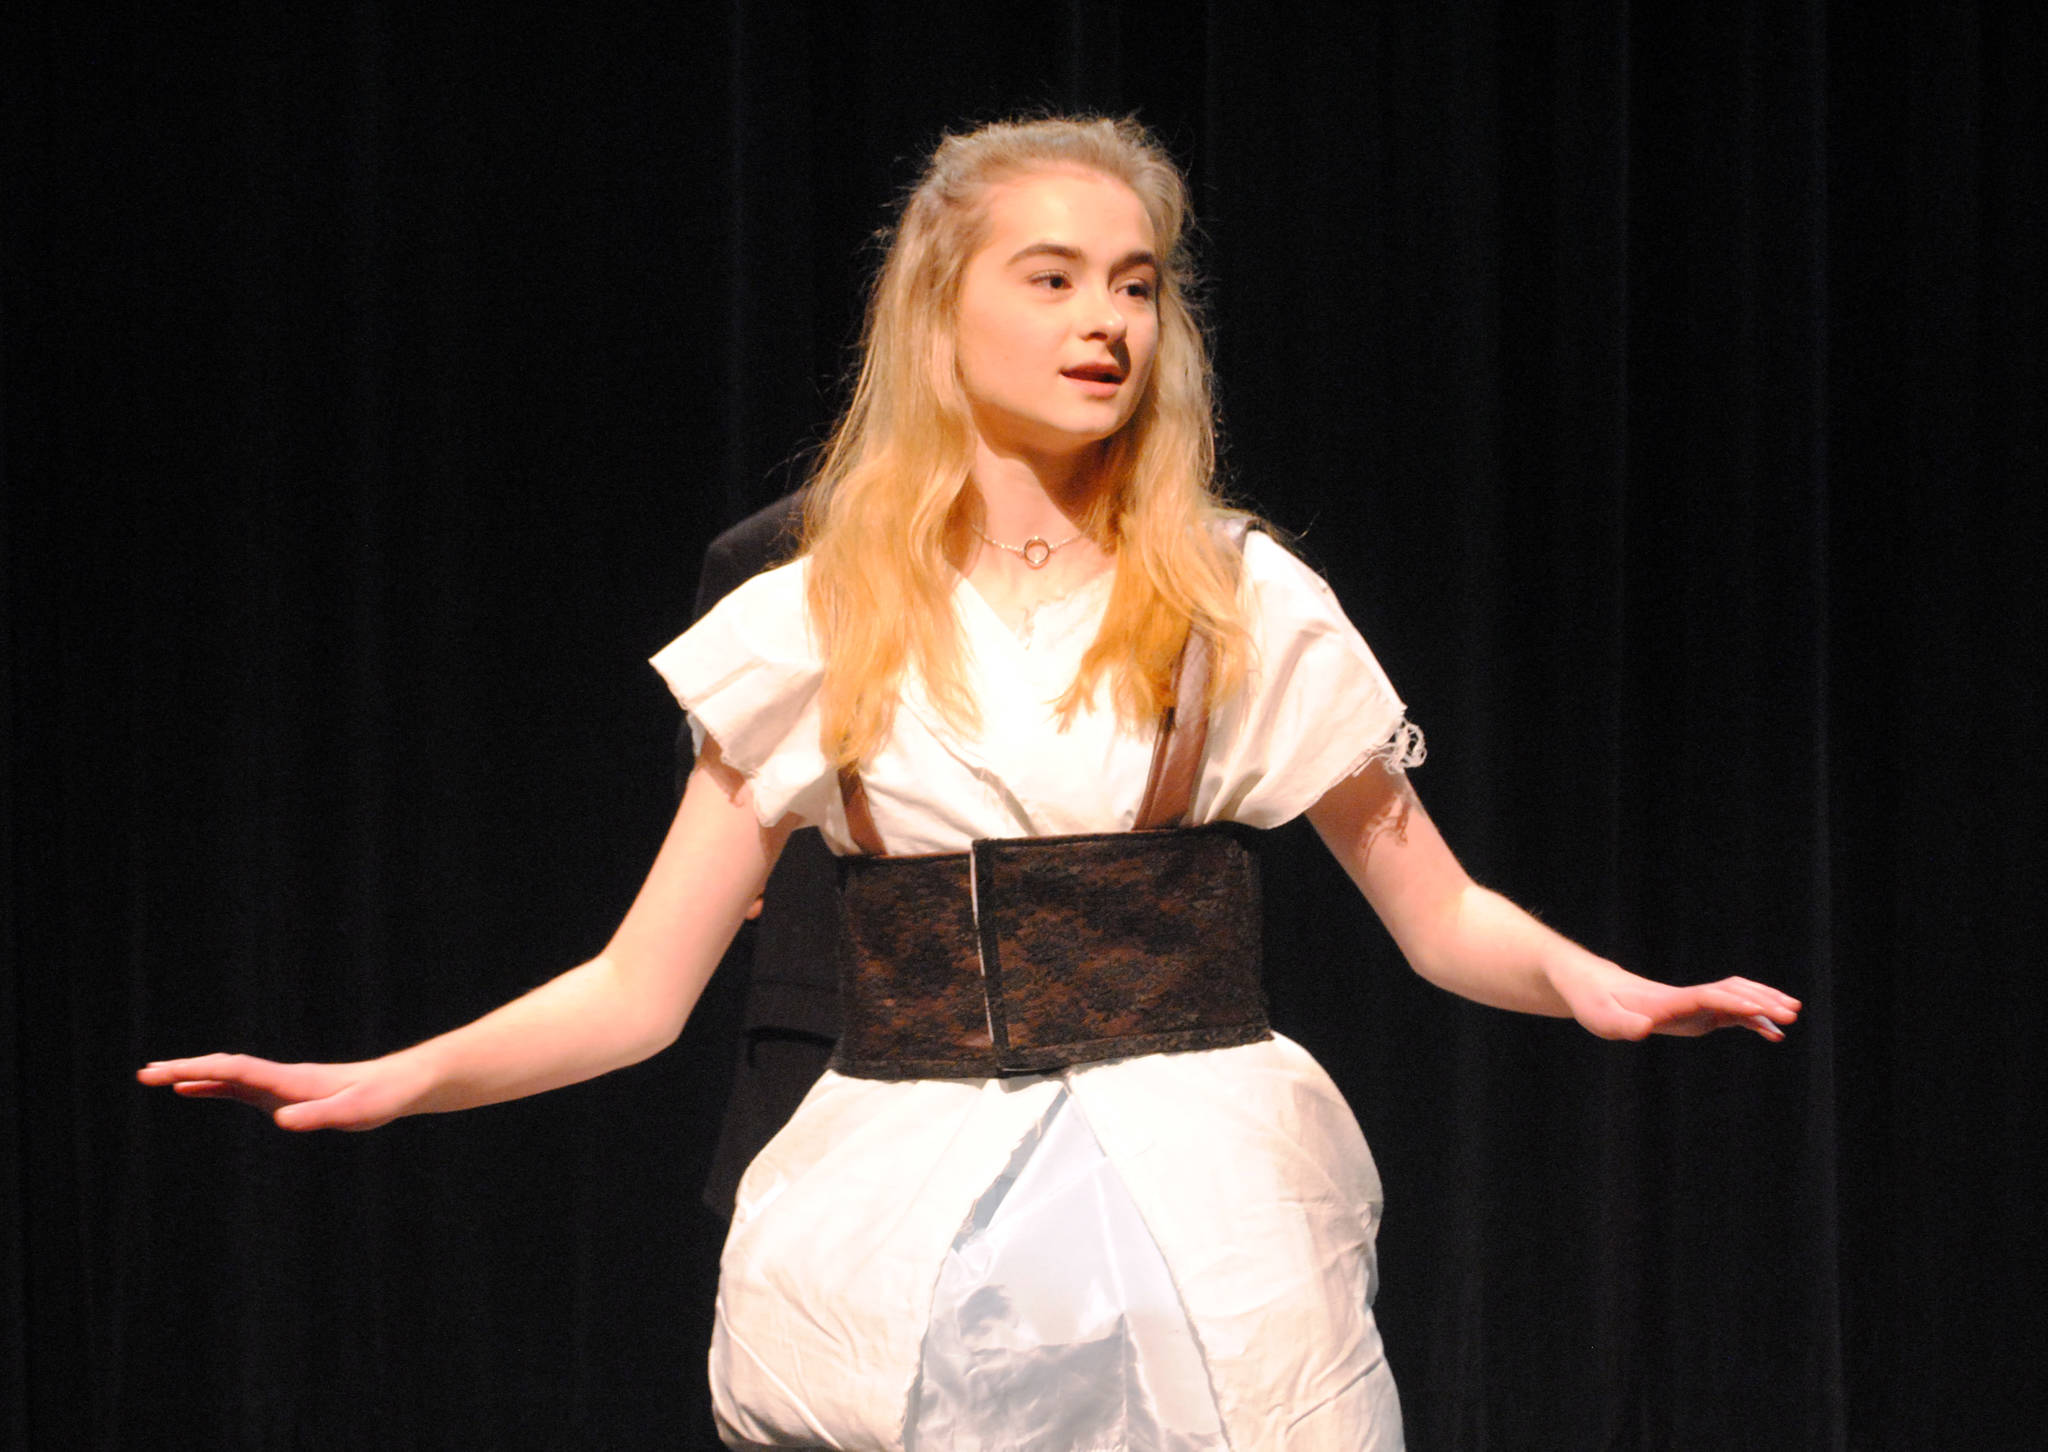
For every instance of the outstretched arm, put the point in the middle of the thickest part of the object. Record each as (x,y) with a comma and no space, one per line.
(1476,943)
(622,1006)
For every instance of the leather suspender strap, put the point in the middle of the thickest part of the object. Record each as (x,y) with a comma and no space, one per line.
(860,820)
(1184,728)
(1183,733)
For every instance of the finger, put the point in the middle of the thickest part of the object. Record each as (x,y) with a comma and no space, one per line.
(349,1110)
(169,1071)
(308,1114)
(1633,1027)
(1708,1020)
(225,1089)
(236,1067)
(1774,998)
(1611,1021)
(340,1110)
(161,1069)
(268,1083)
(1767,1007)
(1741,1001)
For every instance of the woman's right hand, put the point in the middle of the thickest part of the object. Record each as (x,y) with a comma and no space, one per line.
(297,1096)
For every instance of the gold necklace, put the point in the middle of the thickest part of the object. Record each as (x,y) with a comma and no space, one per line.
(1034,551)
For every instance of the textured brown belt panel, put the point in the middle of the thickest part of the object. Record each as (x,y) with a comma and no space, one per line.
(909,972)
(1094,947)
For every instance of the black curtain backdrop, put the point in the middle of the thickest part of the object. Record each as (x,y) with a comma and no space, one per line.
(1661,388)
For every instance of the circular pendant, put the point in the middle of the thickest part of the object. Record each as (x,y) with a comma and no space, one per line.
(1036,552)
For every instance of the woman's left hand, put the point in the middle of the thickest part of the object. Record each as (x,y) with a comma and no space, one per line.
(1616,1004)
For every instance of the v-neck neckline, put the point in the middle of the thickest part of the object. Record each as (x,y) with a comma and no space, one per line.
(1021,635)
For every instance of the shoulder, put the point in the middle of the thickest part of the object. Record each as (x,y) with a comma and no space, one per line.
(771,599)
(764,620)
(1277,578)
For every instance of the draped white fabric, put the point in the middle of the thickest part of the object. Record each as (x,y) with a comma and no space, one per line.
(1235,1179)
(1054,1322)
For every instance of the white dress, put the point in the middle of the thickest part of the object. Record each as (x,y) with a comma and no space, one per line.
(925,1264)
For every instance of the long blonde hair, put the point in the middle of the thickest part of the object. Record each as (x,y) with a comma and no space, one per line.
(887,508)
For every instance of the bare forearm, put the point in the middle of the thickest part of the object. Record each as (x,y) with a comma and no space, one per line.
(631,1000)
(581,1024)
(1455,933)
(1483,947)
(1476,943)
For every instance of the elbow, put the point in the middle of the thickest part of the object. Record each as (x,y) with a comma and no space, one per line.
(1437,937)
(1432,969)
(662,1036)
(646,1008)
(1429,939)
(658,1025)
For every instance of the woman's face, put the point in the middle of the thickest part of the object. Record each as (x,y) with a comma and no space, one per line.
(1058,319)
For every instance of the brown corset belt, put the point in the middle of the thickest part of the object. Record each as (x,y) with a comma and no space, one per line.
(1033,953)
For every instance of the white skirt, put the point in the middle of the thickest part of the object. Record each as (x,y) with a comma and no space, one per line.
(1173,1252)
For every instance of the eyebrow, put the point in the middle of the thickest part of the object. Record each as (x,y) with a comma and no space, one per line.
(1142,257)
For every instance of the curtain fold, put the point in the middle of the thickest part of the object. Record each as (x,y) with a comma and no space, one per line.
(1662,391)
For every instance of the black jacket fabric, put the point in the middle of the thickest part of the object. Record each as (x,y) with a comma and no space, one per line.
(792,1005)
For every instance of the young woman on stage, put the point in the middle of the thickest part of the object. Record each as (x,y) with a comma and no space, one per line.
(1063,1188)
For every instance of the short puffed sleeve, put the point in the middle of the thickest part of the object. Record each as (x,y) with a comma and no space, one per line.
(1316,707)
(748,674)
